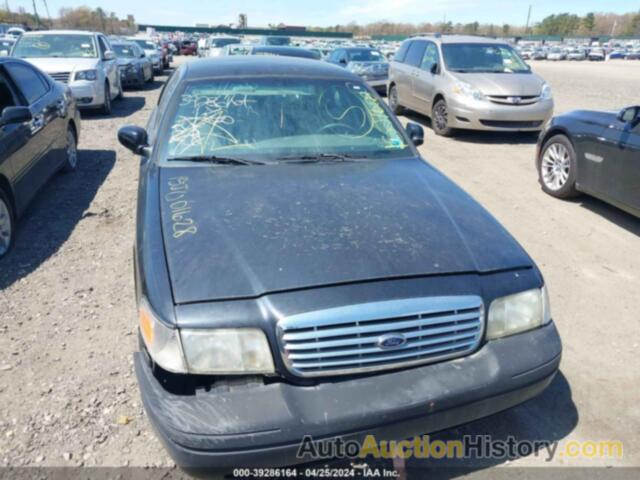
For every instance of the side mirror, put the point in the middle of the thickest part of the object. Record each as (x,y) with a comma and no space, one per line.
(416,133)
(109,55)
(434,69)
(142,55)
(12,115)
(134,138)
(629,114)
(343,61)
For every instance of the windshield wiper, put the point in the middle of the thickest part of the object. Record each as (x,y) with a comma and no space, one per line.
(320,157)
(217,160)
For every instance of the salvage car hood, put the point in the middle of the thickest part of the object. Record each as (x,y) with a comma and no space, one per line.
(57,65)
(244,231)
(512,84)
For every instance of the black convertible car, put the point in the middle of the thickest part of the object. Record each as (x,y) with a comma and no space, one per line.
(593,152)
(39,128)
(301,270)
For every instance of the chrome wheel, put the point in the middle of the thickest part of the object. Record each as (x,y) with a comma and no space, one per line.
(393,98)
(72,149)
(5,227)
(555,166)
(441,116)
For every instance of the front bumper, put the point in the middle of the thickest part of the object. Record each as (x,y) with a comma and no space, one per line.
(87,94)
(130,78)
(263,425)
(486,115)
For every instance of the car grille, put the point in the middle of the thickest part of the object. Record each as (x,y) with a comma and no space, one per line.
(511,124)
(514,100)
(354,338)
(62,77)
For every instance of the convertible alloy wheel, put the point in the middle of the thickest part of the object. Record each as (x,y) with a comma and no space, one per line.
(555,167)
(6,226)
(72,152)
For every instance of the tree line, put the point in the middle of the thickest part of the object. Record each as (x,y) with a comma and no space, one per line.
(83,18)
(563,24)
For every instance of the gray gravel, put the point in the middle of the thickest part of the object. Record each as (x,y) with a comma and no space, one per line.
(68,395)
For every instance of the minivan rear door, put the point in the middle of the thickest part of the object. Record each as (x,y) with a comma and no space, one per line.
(424,81)
(412,64)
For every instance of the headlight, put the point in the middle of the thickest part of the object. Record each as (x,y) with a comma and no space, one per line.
(465,89)
(163,343)
(90,75)
(545,94)
(358,68)
(227,351)
(518,313)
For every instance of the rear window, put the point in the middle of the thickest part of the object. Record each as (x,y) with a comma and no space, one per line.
(402,51)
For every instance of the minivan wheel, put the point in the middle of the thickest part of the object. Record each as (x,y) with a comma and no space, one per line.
(440,119)
(557,167)
(71,162)
(393,101)
(7,227)
(106,106)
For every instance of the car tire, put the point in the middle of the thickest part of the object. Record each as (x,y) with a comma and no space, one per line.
(106,106)
(396,108)
(71,151)
(557,167)
(120,91)
(440,119)
(7,224)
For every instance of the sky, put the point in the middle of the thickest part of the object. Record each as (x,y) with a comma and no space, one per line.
(330,12)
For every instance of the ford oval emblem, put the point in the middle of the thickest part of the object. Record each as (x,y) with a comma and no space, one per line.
(391,341)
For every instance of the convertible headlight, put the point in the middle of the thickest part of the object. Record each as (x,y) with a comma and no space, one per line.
(227,351)
(162,342)
(89,75)
(518,313)
(465,89)
(545,94)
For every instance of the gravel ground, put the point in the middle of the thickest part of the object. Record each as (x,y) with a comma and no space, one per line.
(68,395)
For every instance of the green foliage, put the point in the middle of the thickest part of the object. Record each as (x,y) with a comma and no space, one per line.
(561,24)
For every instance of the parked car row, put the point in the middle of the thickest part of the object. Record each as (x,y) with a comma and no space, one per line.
(578,53)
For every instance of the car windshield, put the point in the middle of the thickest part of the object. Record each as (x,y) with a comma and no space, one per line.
(221,42)
(365,55)
(267,118)
(282,41)
(146,44)
(482,58)
(56,45)
(125,51)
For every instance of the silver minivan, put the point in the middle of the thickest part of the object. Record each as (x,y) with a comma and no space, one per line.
(468,82)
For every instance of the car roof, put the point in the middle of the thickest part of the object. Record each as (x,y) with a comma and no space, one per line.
(61,32)
(253,66)
(446,39)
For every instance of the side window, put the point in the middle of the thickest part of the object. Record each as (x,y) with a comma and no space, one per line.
(402,51)
(342,56)
(415,53)
(430,57)
(334,56)
(169,87)
(30,82)
(7,98)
